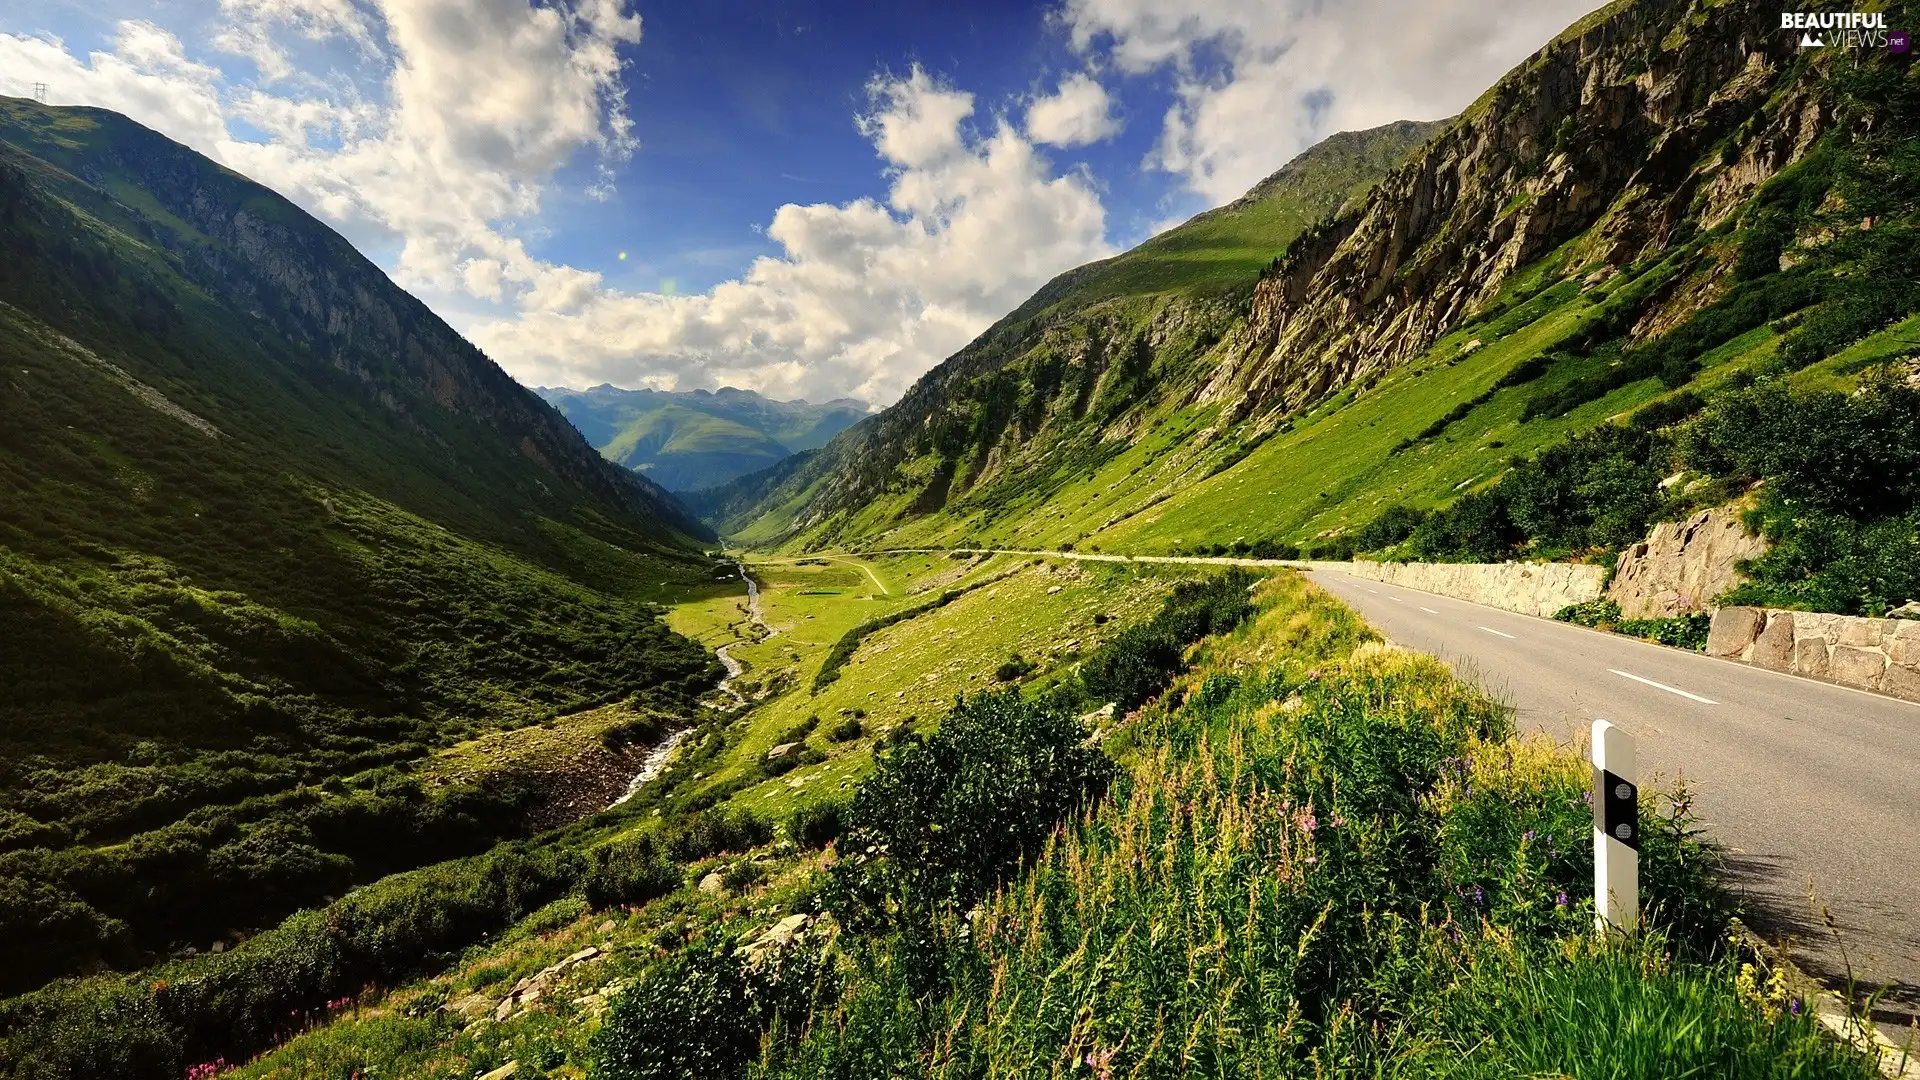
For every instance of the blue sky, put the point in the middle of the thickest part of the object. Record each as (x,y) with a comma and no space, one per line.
(811,198)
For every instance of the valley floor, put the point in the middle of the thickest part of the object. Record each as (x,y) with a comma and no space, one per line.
(528,1003)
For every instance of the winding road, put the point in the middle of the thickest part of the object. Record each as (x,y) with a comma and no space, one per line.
(1812,789)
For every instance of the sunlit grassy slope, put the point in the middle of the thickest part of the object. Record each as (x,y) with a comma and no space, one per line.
(906,674)
(1181,480)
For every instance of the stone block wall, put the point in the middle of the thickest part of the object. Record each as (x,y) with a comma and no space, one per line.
(1528,588)
(1882,655)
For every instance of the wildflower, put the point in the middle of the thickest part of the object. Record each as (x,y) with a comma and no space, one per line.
(1101,1062)
(1479,897)
(1338,820)
(1560,901)
(1313,860)
(1529,837)
(1794,1006)
(1307,821)
(1586,797)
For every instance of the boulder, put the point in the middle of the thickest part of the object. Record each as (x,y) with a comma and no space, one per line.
(712,883)
(1901,682)
(1683,565)
(1733,629)
(1774,647)
(1858,667)
(503,1072)
(781,751)
(1810,658)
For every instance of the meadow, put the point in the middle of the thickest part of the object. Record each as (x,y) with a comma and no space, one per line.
(1311,854)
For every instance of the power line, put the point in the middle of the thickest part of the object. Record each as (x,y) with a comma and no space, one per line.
(40,92)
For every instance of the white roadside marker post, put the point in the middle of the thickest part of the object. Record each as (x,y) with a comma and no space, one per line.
(1616,831)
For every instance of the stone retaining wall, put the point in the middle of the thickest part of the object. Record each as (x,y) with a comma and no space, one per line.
(1528,588)
(1882,655)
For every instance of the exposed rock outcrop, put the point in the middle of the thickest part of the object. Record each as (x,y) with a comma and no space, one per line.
(1682,566)
(1605,126)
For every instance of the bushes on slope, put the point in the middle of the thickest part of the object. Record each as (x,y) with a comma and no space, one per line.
(1314,867)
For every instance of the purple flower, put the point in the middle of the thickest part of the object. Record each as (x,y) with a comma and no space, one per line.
(1560,901)
(1529,837)
(1794,1006)
(1479,897)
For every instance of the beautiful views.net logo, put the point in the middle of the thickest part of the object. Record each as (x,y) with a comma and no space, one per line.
(1844,30)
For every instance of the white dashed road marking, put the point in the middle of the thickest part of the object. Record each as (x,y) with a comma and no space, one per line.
(1491,630)
(1429,611)
(1663,686)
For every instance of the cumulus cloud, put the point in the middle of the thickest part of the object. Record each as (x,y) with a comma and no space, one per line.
(479,103)
(865,296)
(1260,80)
(439,163)
(1078,113)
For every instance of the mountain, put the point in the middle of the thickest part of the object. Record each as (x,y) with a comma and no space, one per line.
(1670,199)
(699,438)
(271,533)
(1059,372)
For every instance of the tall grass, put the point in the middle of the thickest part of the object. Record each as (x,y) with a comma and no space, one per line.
(1326,860)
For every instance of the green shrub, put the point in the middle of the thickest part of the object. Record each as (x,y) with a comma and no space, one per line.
(711,832)
(815,825)
(846,730)
(950,814)
(628,872)
(1393,525)
(691,1017)
(1014,669)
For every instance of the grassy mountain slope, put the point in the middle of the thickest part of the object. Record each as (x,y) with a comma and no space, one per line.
(270,533)
(1668,200)
(1059,376)
(699,439)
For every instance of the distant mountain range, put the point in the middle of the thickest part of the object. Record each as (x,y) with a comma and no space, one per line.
(687,440)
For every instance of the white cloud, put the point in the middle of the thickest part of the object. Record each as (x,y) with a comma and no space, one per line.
(481,102)
(866,296)
(1078,113)
(1260,80)
(441,161)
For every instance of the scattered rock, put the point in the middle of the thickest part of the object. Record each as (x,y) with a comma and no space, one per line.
(217,947)
(531,989)
(503,1072)
(781,751)
(712,883)
(606,927)
(471,1007)
(1054,589)
(1908,610)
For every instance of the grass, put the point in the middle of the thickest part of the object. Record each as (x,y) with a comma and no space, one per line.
(255,570)
(1323,856)
(905,674)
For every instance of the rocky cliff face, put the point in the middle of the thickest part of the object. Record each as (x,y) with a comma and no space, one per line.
(1607,129)
(1650,122)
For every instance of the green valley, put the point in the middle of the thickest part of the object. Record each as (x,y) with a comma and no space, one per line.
(369,714)
(256,568)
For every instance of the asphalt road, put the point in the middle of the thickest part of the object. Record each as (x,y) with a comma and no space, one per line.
(1813,789)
